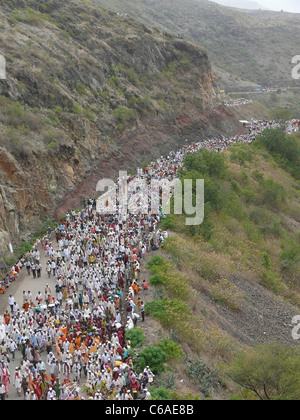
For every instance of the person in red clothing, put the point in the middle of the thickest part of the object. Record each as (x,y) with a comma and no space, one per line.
(129,310)
(134,387)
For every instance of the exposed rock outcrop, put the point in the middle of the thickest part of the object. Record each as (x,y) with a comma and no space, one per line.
(89,93)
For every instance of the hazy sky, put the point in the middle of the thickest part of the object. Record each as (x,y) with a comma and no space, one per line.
(286,5)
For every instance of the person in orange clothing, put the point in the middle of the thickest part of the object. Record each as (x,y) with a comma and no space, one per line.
(78,341)
(26,306)
(135,287)
(145,285)
(6,318)
(139,302)
(71,348)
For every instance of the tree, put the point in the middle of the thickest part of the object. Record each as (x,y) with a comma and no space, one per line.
(206,163)
(270,371)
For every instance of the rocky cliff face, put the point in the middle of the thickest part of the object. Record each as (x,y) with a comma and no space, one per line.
(89,93)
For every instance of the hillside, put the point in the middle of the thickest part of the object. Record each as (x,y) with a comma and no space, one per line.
(264,103)
(89,93)
(246,48)
(97,88)
(234,282)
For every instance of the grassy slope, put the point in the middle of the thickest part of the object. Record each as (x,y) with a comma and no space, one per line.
(82,72)
(263,103)
(242,286)
(83,85)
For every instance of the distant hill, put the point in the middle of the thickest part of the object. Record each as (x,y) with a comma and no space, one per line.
(246,47)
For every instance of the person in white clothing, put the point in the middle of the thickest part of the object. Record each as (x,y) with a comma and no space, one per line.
(11,302)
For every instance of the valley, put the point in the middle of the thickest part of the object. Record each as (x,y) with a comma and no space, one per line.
(107,305)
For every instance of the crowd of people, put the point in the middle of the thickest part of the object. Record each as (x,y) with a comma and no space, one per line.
(81,325)
(237,102)
(293,126)
(72,335)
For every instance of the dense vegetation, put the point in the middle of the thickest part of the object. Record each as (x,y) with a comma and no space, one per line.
(285,148)
(269,372)
(243,196)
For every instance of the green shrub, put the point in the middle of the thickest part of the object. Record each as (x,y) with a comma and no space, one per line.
(81,88)
(212,191)
(23,248)
(104,94)
(252,231)
(266,260)
(154,307)
(114,81)
(169,222)
(249,195)
(235,186)
(206,229)
(172,349)
(42,228)
(241,155)
(259,215)
(124,114)
(259,177)
(160,394)
(136,337)
(163,104)
(285,148)
(76,109)
(156,260)
(291,251)
(157,280)
(189,396)
(273,281)
(29,16)
(132,76)
(170,312)
(274,194)
(206,163)
(89,114)
(153,357)
(9,261)
(128,72)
